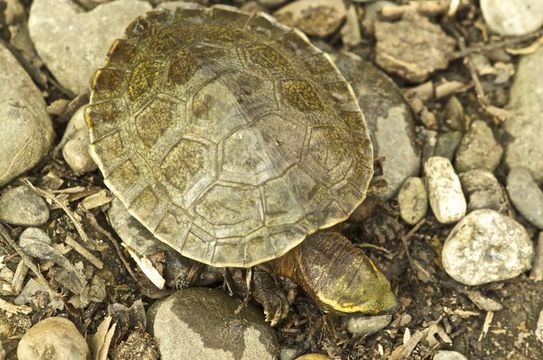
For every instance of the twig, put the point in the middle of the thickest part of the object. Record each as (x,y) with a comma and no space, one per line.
(84,252)
(537,270)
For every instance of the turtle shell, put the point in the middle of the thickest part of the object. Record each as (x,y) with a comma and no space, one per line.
(228,135)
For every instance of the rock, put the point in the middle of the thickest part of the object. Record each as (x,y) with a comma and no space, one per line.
(486,246)
(363,326)
(512,17)
(444,191)
(448,355)
(76,145)
(314,17)
(201,323)
(288,354)
(389,119)
(73,43)
(413,200)
(525,126)
(53,338)
(135,235)
(447,144)
(413,47)
(478,149)
(27,131)
(271,3)
(22,206)
(526,195)
(454,114)
(483,190)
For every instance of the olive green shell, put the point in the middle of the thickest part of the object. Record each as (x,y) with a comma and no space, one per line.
(228,135)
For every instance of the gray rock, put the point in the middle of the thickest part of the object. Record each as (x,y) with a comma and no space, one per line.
(447,144)
(135,235)
(201,323)
(478,149)
(73,43)
(486,246)
(448,355)
(27,131)
(483,190)
(526,127)
(444,190)
(53,338)
(454,114)
(366,325)
(22,206)
(413,200)
(526,195)
(389,118)
(512,17)
(76,145)
(288,354)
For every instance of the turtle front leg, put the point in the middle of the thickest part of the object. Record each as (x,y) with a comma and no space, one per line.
(337,275)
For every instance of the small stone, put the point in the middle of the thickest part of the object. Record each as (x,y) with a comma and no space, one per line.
(413,47)
(314,17)
(483,190)
(363,326)
(26,129)
(22,206)
(478,149)
(76,145)
(288,354)
(53,338)
(454,114)
(512,17)
(526,195)
(486,246)
(444,191)
(448,355)
(201,323)
(74,45)
(413,200)
(447,144)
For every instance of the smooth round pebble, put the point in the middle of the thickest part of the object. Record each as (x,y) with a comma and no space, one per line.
(53,338)
(76,145)
(366,325)
(288,353)
(22,206)
(26,131)
(478,149)
(486,246)
(444,190)
(512,17)
(201,323)
(483,190)
(526,195)
(413,200)
(448,355)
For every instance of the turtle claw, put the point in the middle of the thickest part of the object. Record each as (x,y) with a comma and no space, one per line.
(275,305)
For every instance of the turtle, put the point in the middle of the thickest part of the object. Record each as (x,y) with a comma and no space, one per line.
(238,143)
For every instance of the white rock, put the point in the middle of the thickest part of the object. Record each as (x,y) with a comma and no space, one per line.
(76,145)
(413,200)
(444,190)
(513,17)
(26,131)
(73,43)
(486,246)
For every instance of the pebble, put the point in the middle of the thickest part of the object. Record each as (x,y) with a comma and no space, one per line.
(413,200)
(526,195)
(314,17)
(74,45)
(448,355)
(288,353)
(444,190)
(363,326)
(135,235)
(76,145)
(483,190)
(389,118)
(201,323)
(27,131)
(486,246)
(454,114)
(512,17)
(525,126)
(22,206)
(53,338)
(478,149)
(447,144)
